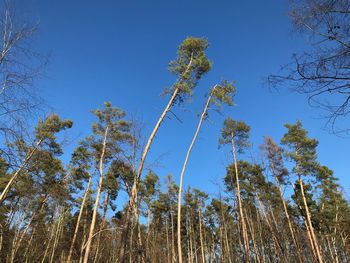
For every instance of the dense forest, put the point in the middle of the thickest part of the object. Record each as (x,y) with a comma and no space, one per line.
(281,206)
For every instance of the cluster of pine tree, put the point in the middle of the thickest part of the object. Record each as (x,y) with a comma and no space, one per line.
(287,207)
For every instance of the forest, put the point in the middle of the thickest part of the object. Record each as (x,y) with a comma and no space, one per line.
(283,205)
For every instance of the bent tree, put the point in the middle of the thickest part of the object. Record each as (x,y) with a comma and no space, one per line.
(218,95)
(189,66)
(45,134)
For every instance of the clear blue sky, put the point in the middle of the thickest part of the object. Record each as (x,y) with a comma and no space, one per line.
(118,51)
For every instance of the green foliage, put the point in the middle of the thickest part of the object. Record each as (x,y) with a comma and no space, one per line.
(51,125)
(300,149)
(124,172)
(223,93)
(190,65)
(149,186)
(334,209)
(251,179)
(310,200)
(237,131)
(4,176)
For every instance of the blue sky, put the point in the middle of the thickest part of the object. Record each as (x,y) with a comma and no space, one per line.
(118,51)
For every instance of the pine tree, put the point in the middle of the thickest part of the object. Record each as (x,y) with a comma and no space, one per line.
(219,94)
(236,133)
(301,150)
(189,66)
(109,133)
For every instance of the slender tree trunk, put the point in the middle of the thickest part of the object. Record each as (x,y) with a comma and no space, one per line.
(182,175)
(97,201)
(134,190)
(87,190)
(308,218)
(16,174)
(26,256)
(84,238)
(240,208)
(48,243)
(307,229)
(253,240)
(279,248)
(222,244)
(227,245)
(290,227)
(19,242)
(172,238)
(58,234)
(334,238)
(149,230)
(200,235)
(167,241)
(103,224)
(133,196)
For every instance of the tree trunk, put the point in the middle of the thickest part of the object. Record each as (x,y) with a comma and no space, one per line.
(243,224)
(87,190)
(137,177)
(18,244)
(200,234)
(308,219)
(296,245)
(16,174)
(58,234)
(105,204)
(182,175)
(97,201)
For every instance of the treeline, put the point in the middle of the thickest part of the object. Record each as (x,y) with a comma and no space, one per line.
(284,206)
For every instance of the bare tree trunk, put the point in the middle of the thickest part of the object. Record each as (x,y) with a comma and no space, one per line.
(133,196)
(279,249)
(19,242)
(240,208)
(333,238)
(48,243)
(222,244)
(16,174)
(182,175)
(227,245)
(253,240)
(84,238)
(200,234)
(290,227)
(307,229)
(172,238)
(97,201)
(87,190)
(58,234)
(105,204)
(167,241)
(308,218)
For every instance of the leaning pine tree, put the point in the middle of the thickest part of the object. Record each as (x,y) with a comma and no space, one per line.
(189,66)
(219,94)
(45,134)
